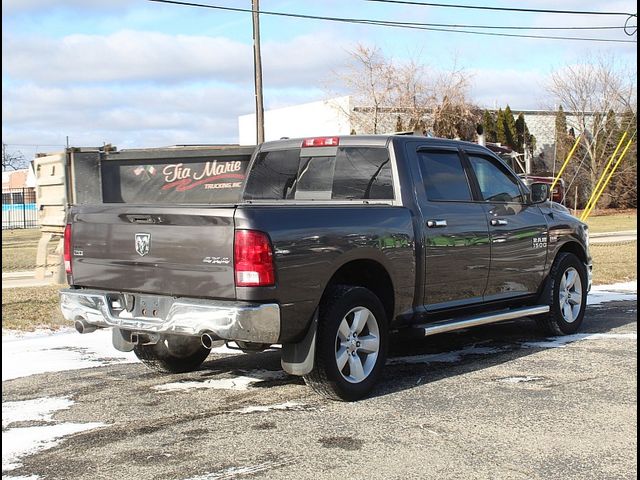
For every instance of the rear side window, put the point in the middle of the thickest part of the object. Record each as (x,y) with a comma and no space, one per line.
(273,174)
(444,177)
(353,173)
(363,173)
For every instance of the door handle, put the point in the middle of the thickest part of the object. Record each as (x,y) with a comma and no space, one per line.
(498,221)
(436,223)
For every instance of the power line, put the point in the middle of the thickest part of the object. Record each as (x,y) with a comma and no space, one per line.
(503,9)
(502,27)
(385,23)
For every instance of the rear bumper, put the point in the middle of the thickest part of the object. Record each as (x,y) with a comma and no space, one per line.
(228,320)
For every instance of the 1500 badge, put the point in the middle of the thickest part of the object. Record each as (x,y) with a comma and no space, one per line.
(539,242)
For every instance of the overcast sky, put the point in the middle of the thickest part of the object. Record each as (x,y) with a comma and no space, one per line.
(135,73)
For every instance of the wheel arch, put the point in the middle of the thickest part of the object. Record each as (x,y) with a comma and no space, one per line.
(369,274)
(572,247)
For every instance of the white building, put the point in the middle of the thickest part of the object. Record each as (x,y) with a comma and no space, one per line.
(323,118)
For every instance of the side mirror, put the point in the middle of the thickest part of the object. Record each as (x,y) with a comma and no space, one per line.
(540,192)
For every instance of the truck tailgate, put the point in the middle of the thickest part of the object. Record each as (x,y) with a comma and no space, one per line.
(166,250)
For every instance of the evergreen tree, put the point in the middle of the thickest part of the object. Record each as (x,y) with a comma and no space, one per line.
(501,136)
(510,128)
(561,137)
(489,125)
(521,133)
(523,136)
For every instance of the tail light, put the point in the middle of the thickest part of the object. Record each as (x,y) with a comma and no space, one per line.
(67,248)
(321,142)
(253,259)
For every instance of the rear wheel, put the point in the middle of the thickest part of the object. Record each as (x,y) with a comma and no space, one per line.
(351,344)
(567,297)
(173,354)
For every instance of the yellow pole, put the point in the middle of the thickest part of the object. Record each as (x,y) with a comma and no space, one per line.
(566,162)
(586,213)
(604,173)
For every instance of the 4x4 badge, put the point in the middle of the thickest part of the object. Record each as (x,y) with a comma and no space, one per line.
(143,243)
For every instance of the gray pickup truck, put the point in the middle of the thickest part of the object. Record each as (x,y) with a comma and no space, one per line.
(323,246)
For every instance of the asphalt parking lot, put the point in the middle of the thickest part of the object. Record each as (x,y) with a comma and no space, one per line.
(498,402)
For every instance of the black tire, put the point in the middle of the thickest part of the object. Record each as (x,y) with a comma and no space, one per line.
(173,354)
(556,322)
(343,302)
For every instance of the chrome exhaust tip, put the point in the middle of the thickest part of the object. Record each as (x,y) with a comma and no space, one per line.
(82,326)
(207,341)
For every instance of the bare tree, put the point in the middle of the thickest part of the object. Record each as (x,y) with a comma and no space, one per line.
(387,94)
(454,116)
(12,160)
(371,80)
(412,95)
(589,91)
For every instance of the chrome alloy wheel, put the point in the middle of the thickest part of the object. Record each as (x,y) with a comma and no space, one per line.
(357,344)
(570,296)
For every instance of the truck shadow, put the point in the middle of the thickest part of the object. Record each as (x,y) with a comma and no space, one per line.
(418,361)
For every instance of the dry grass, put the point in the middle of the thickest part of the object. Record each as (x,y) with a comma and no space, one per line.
(19,249)
(614,263)
(29,308)
(613,223)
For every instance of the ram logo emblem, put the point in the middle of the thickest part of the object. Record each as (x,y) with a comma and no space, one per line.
(143,243)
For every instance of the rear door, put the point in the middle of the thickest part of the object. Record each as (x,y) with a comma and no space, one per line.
(518,231)
(456,237)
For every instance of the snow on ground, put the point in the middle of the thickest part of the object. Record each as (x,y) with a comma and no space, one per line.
(20,442)
(30,353)
(615,292)
(237,472)
(560,342)
(41,352)
(267,408)
(240,382)
(38,409)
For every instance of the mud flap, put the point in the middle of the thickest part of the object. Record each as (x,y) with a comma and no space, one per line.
(121,339)
(298,358)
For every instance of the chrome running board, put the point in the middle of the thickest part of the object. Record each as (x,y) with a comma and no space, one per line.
(474,321)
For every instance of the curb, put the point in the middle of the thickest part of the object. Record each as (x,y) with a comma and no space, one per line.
(620,233)
(14,275)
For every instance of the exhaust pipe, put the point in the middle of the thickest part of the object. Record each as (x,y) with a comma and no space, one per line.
(82,326)
(207,341)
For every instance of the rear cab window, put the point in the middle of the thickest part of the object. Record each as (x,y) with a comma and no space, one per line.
(325,173)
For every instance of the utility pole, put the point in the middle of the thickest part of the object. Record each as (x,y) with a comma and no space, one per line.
(257,70)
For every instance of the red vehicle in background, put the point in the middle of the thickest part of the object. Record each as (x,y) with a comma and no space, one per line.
(507,154)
